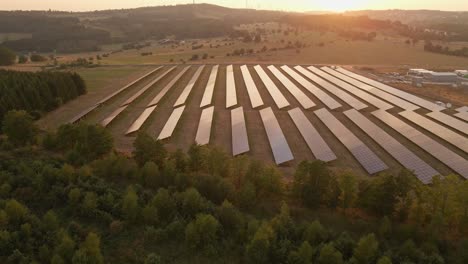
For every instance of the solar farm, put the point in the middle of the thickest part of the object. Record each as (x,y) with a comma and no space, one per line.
(284,114)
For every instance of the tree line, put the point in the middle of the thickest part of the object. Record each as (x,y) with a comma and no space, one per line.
(37,92)
(430,47)
(68,197)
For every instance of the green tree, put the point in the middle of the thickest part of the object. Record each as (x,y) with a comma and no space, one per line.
(348,187)
(130,207)
(329,255)
(384,260)
(303,255)
(50,221)
(7,56)
(19,127)
(90,251)
(315,233)
(150,175)
(202,233)
(164,204)
(66,247)
(258,249)
(148,149)
(16,212)
(153,259)
(366,250)
(90,203)
(312,183)
(22,59)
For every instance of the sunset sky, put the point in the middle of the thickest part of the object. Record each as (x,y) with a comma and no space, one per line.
(291,5)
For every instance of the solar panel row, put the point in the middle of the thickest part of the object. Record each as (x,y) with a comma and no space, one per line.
(450,121)
(300,96)
(107,98)
(314,140)
(231,95)
(186,92)
(462,115)
(402,94)
(166,89)
(321,95)
(171,123)
(113,115)
(208,94)
(344,96)
(368,159)
(279,146)
(204,126)
(438,130)
(272,89)
(353,90)
(82,114)
(240,140)
(404,156)
(462,109)
(144,89)
(141,120)
(440,152)
(379,93)
(254,95)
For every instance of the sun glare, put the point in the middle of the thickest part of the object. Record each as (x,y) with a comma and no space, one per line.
(344,5)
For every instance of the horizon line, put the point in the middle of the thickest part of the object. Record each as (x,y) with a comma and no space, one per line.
(258,9)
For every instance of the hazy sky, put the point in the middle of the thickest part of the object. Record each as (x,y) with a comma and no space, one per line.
(290,5)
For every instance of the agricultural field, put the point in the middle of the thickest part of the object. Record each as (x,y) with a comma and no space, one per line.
(175,79)
(322,48)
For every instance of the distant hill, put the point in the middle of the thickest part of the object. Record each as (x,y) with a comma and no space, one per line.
(415,17)
(82,31)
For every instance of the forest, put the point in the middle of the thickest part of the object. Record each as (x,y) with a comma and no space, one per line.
(77,32)
(68,197)
(37,92)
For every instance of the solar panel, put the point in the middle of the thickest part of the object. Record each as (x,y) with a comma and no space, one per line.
(423,171)
(363,154)
(462,115)
(272,89)
(208,94)
(231,95)
(450,121)
(204,126)
(344,96)
(166,89)
(254,95)
(113,115)
(438,130)
(300,96)
(186,92)
(355,91)
(321,95)
(314,140)
(141,120)
(107,98)
(279,146)
(171,123)
(462,109)
(402,94)
(144,89)
(240,140)
(379,93)
(437,150)
(82,114)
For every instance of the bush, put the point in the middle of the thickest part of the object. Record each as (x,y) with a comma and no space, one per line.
(37,58)
(22,59)
(7,56)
